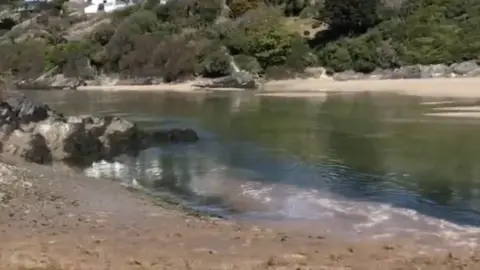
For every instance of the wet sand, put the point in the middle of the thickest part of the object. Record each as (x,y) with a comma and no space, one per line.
(53,218)
(435,87)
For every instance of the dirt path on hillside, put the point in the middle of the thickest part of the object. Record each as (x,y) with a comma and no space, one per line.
(56,219)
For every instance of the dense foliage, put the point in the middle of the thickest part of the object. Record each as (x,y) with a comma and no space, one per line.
(183,39)
(350,16)
(416,32)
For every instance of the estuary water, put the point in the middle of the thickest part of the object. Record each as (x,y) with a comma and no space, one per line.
(359,165)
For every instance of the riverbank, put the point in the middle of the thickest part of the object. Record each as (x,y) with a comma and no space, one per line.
(435,87)
(53,218)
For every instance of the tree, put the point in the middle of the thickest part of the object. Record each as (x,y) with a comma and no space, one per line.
(350,16)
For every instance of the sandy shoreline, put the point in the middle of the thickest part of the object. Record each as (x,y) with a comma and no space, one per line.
(435,87)
(52,218)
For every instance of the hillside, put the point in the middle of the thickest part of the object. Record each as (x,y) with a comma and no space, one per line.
(278,39)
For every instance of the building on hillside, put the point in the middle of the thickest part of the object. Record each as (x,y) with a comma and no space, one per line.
(95,6)
(108,5)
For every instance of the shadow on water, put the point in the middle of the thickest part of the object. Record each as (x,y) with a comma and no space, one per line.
(374,148)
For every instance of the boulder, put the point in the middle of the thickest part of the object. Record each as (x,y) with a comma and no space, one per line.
(473,73)
(349,75)
(240,79)
(119,136)
(436,71)
(61,82)
(57,82)
(29,146)
(316,72)
(464,67)
(379,74)
(8,120)
(175,135)
(407,72)
(38,134)
(27,110)
(69,141)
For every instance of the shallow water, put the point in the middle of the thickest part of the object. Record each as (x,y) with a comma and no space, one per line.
(354,164)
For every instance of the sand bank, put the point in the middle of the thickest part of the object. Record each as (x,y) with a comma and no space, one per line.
(52,218)
(435,87)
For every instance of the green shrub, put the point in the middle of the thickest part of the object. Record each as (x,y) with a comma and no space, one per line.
(118,16)
(262,34)
(240,7)
(216,64)
(143,21)
(294,7)
(138,61)
(423,32)
(206,12)
(59,55)
(336,56)
(300,56)
(102,34)
(190,12)
(177,58)
(24,60)
(151,4)
(123,40)
(248,63)
(350,16)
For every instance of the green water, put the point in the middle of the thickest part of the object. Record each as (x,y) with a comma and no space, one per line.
(360,147)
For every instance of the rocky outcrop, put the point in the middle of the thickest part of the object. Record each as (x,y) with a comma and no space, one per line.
(57,82)
(464,69)
(240,79)
(39,134)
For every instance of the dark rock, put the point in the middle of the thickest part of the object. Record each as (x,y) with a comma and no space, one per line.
(68,141)
(241,79)
(38,134)
(176,135)
(464,67)
(119,136)
(27,110)
(8,120)
(29,146)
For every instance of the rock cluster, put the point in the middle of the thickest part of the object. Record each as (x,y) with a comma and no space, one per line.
(240,79)
(464,69)
(39,134)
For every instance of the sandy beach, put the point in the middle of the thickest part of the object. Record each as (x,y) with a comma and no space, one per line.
(435,87)
(55,219)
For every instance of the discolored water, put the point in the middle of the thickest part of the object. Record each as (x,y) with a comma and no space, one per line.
(358,164)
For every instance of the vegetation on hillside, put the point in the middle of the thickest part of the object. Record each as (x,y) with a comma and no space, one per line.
(188,38)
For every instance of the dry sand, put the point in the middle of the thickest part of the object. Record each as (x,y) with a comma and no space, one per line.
(436,87)
(53,219)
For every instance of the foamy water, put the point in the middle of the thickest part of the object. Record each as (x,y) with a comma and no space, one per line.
(310,209)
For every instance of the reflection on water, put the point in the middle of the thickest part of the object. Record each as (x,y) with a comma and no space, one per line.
(359,163)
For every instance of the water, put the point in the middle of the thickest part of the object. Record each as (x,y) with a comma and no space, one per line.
(359,165)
